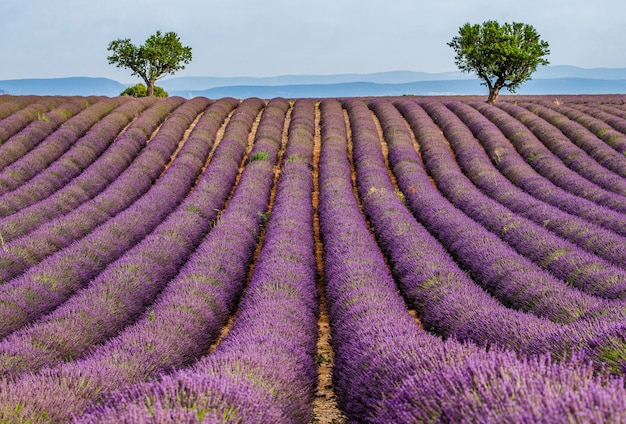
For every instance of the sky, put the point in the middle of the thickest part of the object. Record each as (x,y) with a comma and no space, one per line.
(63,38)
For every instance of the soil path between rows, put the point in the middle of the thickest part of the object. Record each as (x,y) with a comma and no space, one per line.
(325,410)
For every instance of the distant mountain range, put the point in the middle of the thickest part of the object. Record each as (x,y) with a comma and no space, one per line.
(71,86)
(547,80)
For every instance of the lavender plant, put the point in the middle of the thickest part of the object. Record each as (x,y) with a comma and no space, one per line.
(132,282)
(516,170)
(448,302)
(110,185)
(44,287)
(605,114)
(89,184)
(571,155)
(478,167)
(188,315)
(602,153)
(599,128)
(605,188)
(86,150)
(43,141)
(264,370)
(388,370)
(18,120)
(509,276)
(11,104)
(565,260)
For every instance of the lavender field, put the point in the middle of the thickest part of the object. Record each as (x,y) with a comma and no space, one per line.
(368,260)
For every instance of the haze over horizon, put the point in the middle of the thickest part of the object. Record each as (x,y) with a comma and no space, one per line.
(42,39)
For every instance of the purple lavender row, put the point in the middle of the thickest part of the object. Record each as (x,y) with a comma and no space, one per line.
(301,132)
(369,321)
(449,302)
(90,183)
(600,129)
(510,164)
(571,155)
(17,121)
(187,317)
(84,152)
(43,141)
(47,285)
(548,164)
(477,165)
(85,201)
(564,259)
(614,110)
(264,370)
(606,115)
(132,282)
(11,104)
(389,370)
(583,138)
(512,278)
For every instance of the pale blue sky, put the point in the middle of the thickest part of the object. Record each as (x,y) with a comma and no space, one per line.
(61,38)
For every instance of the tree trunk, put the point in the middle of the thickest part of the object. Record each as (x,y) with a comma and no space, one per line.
(150,86)
(493,95)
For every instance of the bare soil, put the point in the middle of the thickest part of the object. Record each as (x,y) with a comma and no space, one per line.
(325,410)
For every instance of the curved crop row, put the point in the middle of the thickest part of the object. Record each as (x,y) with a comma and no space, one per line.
(485,175)
(389,370)
(264,370)
(84,152)
(615,118)
(498,268)
(188,315)
(509,163)
(301,133)
(550,166)
(112,183)
(35,147)
(34,111)
(599,128)
(565,260)
(583,138)
(447,301)
(570,154)
(129,284)
(47,285)
(11,104)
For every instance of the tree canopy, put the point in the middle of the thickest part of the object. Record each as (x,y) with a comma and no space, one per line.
(503,56)
(161,54)
(140,90)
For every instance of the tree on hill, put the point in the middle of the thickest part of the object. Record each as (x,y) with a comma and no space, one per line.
(161,54)
(140,90)
(503,56)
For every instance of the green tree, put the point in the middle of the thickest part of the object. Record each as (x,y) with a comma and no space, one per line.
(503,56)
(162,54)
(140,90)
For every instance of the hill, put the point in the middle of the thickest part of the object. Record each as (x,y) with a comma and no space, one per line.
(71,86)
(441,87)
(547,80)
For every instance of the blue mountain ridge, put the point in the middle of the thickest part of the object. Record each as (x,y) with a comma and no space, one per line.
(558,79)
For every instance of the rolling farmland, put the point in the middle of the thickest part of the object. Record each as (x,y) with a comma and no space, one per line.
(383,260)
